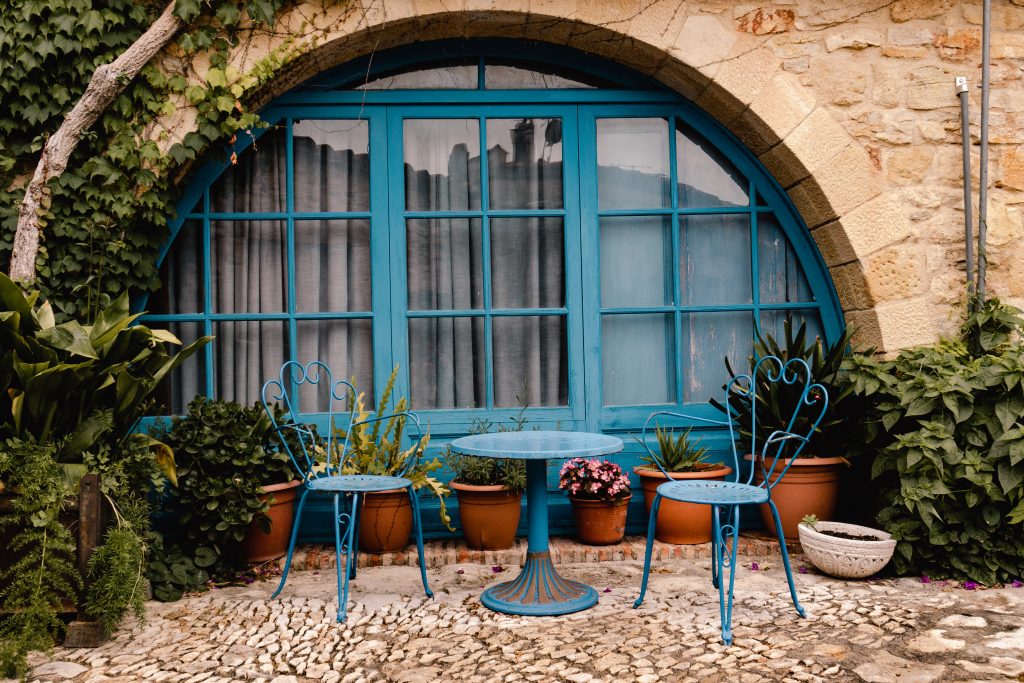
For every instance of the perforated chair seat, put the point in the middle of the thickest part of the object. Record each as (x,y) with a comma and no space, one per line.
(357,483)
(710,492)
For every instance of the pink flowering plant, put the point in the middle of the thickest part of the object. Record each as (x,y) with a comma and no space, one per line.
(591,479)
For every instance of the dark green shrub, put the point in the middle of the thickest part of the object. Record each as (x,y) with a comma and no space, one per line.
(946,426)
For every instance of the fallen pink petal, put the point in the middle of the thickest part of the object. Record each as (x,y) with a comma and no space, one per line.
(461,571)
(970,585)
(497,569)
(607,590)
(1017,583)
(925,579)
(802,570)
(754,566)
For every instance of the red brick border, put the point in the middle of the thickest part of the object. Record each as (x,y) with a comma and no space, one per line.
(442,553)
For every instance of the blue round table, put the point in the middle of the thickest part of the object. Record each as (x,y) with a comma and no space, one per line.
(538,590)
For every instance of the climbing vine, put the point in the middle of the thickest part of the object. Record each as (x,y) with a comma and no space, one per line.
(108,211)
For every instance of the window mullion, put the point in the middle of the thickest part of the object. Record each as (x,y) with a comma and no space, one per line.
(677,274)
(485,259)
(293,348)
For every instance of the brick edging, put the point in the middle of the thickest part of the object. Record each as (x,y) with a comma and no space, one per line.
(563,550)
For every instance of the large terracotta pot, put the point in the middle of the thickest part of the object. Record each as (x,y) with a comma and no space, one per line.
(260,546)
(600,522)
(810,487)
(385,521)
(680,523)
(489,515)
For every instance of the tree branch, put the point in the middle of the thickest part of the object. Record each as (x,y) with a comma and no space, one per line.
(107,82)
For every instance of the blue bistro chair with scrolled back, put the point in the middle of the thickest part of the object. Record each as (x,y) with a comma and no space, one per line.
(319,460)
(777,453)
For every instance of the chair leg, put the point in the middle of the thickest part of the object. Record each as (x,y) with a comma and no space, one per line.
(418,528)
(785,559)
(354,549)
(342,601)
(714,551)
(651,525)
(726,559)
(351,539)
(291,544)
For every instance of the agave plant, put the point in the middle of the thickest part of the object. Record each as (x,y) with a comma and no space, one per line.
(80,386)
(676,453)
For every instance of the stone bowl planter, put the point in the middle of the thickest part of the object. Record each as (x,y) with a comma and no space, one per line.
(842,557)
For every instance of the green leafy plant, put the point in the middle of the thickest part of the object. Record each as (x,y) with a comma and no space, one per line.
(945,424)
(809,520)
(676,453)
(478,471)
(837,434)
(376,447)
(225,454)
(174,572)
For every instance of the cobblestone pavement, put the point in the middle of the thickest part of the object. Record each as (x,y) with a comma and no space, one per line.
(877,631)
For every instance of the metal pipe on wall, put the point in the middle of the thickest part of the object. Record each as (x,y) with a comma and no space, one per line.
(983,171)
(965,137)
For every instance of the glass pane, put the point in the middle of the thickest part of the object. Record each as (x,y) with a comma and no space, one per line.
(772,323)
(181,275)
(334,265)
(458,74)
(714,259)
(332,165)
(346,346)
(444,266)
(708,338)
(632,164)
(527,262)
(182,384)
(524,163)
(782,278)
(533,76)
(446,363)
(637,359)
(442,164)
(246,353)
(257,182)
(706,177)
(531,366)
(247,263)
(636,261)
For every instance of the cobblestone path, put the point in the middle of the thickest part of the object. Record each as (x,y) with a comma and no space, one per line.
(883,630)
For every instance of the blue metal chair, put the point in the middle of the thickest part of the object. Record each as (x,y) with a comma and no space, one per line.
(304,446)
(781,447)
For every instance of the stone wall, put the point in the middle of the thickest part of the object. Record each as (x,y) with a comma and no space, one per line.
(850,105)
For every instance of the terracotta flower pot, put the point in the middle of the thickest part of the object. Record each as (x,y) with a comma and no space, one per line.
(259,546)
(810,487)
(680,523)
(385,521)
(489,515)
(600,522)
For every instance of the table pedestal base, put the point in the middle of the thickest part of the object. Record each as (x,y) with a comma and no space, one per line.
(539,591)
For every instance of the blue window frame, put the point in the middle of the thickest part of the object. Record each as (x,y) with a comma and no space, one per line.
(668,241)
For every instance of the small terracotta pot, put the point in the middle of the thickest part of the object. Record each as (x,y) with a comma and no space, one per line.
(680,523)
(810,487)
(258,546)
(600,522)
(385,521)
(489,515)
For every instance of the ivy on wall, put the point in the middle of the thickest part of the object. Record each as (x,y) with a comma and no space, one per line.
(109,210)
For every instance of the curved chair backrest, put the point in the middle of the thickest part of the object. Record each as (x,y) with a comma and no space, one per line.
(742,395)
(803,407)
(299,440)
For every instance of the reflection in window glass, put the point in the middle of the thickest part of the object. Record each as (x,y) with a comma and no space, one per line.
(712,337)
(334,274)
(782,278)
(632,164)
(636,261)
(442,164)
(444,265)
(456,74)
(530,361)
(247,266)
(638,359)
(332,165)
(535,76)
(706,177)
(714,259)
(527,262)
(447,363)
(524,163)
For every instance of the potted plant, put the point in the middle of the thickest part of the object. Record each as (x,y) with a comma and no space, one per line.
(847,551)
(599,492)
(678,522)
(811,485)
(385,517)
(236,488)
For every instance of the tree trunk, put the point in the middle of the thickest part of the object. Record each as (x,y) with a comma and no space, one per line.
(106,84)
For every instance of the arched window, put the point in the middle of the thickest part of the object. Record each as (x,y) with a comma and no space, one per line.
(558,233)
